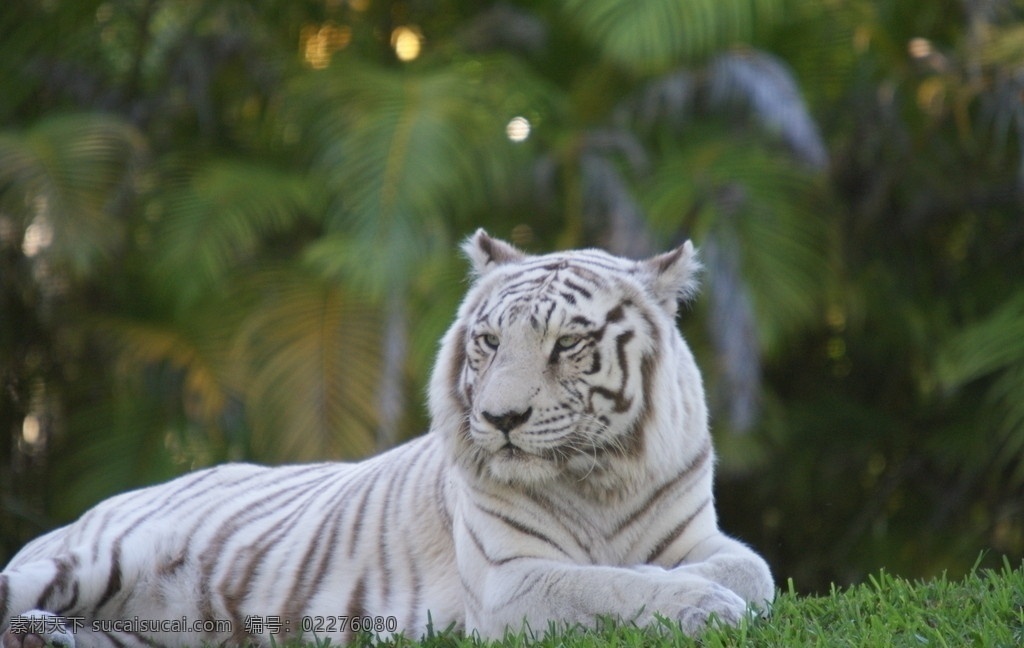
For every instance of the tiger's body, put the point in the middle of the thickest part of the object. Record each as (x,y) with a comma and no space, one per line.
(304,543)
(567,474)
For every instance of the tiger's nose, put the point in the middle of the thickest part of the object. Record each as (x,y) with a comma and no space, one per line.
(509,420)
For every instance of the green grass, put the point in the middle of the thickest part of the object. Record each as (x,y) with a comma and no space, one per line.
(984,609)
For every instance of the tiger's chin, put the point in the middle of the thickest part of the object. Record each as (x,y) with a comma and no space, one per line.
(514,466)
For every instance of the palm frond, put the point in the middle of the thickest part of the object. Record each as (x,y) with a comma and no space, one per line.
(713,188)
(654,35)
(68,176)
(601,164)
(767,87)
(219,216)
(986,347)
(434,296)
(503,26)
(745,83)
(296,356)
(112,445)
(403,154)
(993,348)
(1003,45)
(309,362)
(732,328)
(199,358)
(609,208)
(823,44)
(668,100)
(1007,394)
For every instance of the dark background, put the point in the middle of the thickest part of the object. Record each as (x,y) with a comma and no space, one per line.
(228,231)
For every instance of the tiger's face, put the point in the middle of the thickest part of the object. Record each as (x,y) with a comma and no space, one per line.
(553,360)
(554,372)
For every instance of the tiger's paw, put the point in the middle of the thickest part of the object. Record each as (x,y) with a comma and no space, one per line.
(715,604)
(37,629)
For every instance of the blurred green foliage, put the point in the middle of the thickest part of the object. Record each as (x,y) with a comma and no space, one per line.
(228,231)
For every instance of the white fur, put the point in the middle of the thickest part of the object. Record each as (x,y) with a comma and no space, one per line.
(590,568)
(576,512)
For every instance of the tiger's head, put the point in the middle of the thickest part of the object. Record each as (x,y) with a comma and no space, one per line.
(569,367)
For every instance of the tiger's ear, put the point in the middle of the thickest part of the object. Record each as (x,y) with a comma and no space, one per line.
(486,253)
(672,276)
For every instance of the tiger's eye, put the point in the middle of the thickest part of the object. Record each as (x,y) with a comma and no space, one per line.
(491,340)
(566,342)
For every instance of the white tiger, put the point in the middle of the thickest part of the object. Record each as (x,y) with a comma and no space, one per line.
(567,474)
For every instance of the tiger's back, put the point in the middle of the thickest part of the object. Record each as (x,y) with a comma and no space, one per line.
(236,549)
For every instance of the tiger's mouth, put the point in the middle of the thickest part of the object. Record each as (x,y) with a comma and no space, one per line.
(508,463)
(510,450)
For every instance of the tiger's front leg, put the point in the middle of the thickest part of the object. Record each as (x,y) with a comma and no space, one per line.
(730,563)
(535,592)
(512,576)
